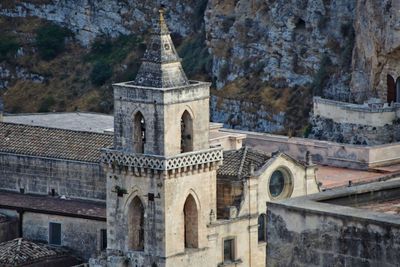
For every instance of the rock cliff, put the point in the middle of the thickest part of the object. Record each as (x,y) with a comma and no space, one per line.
(275,53)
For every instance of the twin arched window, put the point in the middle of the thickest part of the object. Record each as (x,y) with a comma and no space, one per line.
(139,133)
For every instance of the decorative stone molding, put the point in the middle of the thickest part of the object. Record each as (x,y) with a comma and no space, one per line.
(115,158)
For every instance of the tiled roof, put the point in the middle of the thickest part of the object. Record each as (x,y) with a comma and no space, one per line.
(53,205)
(19,251)
(237,163)
(52,143)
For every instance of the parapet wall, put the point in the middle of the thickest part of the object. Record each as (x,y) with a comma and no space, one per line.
(342,112)
(325,152)
(40,175)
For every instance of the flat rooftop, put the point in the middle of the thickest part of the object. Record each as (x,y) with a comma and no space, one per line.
(77,121)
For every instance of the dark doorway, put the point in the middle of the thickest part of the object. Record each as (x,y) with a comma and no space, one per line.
(391,89)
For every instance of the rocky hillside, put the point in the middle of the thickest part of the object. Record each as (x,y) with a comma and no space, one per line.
(265,58)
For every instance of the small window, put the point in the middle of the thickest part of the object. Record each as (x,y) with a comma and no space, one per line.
(229,250)
(103,239)
(55,234)
(261,228)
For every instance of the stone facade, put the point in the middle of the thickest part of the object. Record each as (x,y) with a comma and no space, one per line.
(330,228)
(40,175)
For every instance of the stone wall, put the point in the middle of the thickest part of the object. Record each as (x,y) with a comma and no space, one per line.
(81,236)
(342,112)
(41,175)
(305,232)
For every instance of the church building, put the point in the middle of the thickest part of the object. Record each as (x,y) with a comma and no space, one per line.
(172,198)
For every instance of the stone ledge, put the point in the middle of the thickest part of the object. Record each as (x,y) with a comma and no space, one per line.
(115,158)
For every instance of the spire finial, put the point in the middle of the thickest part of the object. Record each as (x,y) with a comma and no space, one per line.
(163,25)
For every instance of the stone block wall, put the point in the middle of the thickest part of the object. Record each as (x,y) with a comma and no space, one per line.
(76,233)
(41,175)
(303,237)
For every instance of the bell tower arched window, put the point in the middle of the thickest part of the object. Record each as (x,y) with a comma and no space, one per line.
(186,132)
(136,224)
(191,222)
(139,133)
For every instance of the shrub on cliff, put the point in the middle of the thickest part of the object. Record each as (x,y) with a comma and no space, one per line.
(101,72)
(8,47)
(50,40)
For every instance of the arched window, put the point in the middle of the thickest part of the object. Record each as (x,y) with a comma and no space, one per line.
(136,224)
(186,132)
(191,223)
(139,133)
(391,89)
(398,90)
(262,219)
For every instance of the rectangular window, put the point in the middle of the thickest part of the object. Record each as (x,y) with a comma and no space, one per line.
(103,239)
(55,234)
(229,250)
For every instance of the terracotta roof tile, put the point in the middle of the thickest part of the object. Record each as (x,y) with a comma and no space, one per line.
(52,143)
(18,251)
(236,163)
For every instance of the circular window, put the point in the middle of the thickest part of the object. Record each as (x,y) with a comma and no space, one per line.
(166,46)
(280,184)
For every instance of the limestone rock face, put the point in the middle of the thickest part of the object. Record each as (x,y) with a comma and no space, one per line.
(282,40)
(377,47)
(88,18)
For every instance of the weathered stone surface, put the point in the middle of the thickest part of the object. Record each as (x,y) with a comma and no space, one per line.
(377,48)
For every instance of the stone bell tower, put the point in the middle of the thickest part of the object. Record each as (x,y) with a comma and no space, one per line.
(161,172)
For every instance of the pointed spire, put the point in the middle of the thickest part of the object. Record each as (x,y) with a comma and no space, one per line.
(161,65)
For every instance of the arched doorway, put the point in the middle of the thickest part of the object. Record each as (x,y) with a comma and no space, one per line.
(136,224)
(186,132)
(191,222)
(391,89)
(139,133)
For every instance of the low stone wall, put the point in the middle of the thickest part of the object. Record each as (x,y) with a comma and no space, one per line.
(324,152)
(342,112)
(303,232)
(40,175)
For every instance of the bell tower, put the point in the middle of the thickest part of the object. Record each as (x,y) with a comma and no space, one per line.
(161,172)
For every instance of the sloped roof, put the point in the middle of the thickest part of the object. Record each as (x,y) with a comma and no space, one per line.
(19,251)
(237,163)
(52,143)
(92,210)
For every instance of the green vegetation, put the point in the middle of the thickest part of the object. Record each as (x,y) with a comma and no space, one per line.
(322,75)
(46,104)
(114,51)
(50,40)
(8,47)
(196,59)
(101,72)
